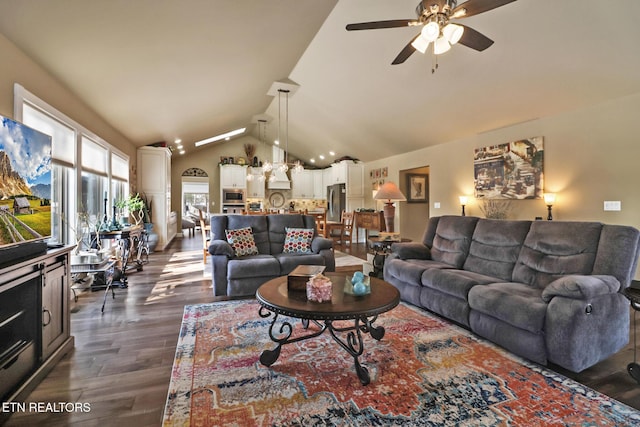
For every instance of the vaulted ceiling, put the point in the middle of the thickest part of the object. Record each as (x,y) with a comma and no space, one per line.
(157,70)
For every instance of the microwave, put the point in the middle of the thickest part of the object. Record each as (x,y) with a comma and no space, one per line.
(233,197)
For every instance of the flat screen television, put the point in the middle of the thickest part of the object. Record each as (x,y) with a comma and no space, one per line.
(25,189)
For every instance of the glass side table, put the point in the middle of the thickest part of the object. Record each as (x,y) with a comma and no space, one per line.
(91,264)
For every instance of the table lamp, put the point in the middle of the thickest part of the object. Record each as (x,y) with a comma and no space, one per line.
(549,200)
(391,193)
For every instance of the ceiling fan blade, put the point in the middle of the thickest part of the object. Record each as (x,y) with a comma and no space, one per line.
(475,7)
(473,39)
(405,53)
(375,25)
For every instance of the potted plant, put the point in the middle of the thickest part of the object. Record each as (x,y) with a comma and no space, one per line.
(135,206)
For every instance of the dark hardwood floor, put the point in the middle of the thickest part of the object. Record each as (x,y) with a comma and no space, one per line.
(122,359)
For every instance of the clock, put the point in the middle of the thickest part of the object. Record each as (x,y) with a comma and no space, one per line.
(276,200)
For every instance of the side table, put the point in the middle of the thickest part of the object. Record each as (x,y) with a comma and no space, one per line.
(633,294)
(94,265)
(380,248)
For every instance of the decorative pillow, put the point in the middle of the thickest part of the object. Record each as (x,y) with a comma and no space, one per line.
(242,242)
(298,240)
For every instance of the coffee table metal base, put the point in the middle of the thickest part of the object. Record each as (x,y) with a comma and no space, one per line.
(281,333)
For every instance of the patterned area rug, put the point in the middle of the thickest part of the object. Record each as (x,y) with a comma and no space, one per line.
(424,371)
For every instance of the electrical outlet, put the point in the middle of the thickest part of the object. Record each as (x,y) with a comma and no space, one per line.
(436,205)
(612,205)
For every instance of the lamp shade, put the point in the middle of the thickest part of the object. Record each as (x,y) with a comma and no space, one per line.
(420,44)
(390,191)
(441,46)
(431,31)
(549,198)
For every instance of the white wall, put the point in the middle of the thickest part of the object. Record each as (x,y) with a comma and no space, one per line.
(591,155)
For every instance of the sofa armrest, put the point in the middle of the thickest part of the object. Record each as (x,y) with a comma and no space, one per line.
(320,243)
(581,287)
(411,250)
(221,247)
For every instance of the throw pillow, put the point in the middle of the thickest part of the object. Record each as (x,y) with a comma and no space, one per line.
(242,242)
(298,240)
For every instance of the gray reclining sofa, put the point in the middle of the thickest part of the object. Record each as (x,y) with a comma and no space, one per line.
(234,275)
(549,291)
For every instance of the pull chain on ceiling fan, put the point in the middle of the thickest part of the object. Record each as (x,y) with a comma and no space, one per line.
(437,29)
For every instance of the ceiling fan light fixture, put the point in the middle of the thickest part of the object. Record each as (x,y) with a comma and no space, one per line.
(441,46)
(420,44)
(453,33)
(431,31)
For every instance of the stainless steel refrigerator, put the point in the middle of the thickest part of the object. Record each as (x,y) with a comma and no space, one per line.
(336,201)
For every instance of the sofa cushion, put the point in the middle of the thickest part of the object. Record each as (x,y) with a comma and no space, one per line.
(410,271)
(516,304)
(556,248)
(495,247)
(277,228)
(452,239)
(297,240)
(241,240)
(291,260)
(259,227)
(255,266)
(454,282)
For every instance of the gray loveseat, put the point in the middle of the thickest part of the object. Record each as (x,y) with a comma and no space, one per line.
(549,291)
(242,275)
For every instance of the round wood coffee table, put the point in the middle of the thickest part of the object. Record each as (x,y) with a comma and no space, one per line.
(276,300)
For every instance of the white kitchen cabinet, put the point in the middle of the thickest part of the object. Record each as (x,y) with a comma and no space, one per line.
(255,187)
(302,184)
(233,176)
(338,173)
(319,187)
(355,180)
(154,182)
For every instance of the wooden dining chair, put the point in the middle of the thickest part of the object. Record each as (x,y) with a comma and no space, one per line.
(206,236)
(342,232)
(321,222)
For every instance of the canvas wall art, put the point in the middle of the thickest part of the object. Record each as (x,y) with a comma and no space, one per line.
(25,183)
(510,171)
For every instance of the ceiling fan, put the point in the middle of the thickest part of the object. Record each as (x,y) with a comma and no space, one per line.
(434,16)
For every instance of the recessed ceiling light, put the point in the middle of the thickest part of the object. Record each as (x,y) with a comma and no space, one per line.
(321,156)
(312,160)
(222,136)
(179,146)
(177,140)
(333,153)
(182,151)
(276,142)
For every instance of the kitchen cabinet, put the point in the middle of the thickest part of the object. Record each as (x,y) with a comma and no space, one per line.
(233,176)
(355,179)
(154,181)
(255,187)
(302,184)
(319,187)
(338,173)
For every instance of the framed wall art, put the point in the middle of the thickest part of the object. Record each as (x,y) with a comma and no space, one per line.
(417,188)
(510,171)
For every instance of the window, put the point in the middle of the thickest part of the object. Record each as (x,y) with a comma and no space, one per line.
(86,169)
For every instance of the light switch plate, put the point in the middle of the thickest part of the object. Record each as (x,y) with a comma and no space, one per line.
(436,205)
(612,205)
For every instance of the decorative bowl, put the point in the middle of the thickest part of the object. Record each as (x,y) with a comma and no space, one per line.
(359,291)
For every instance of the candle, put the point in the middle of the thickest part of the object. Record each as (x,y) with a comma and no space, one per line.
(105,195)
